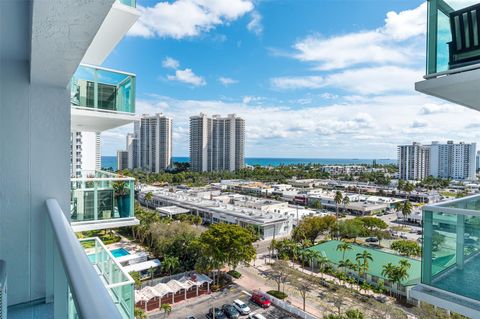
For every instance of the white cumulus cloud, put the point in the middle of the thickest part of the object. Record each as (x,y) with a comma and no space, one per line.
(255,25)
(170,63)
(187,76)
(187,18)
(227,81)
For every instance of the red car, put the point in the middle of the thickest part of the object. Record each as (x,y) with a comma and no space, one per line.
(260,299)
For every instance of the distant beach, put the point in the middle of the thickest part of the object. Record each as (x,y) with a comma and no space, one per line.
(111,161)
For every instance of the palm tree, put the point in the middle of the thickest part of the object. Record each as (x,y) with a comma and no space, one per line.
(388,272)
(407,209)
(170,264)
(167,308)
(139,313)
(148,198)
(305,255)
(364,257)
(314,257)
(344,246)
(343,264)
(321,262)
(338,200)
(405,264)
(345,202)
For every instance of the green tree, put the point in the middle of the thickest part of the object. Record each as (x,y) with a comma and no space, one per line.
(373,223)
(363,259)
(313,226)
(136,278)
(227,244)
(170,264)
(344,246)
(354,314)
(139,313)
(407,209)
(148,198)
(345,202)
(338,200)
(167,309)
(406,247)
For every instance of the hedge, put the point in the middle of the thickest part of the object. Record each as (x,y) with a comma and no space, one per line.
(277,294)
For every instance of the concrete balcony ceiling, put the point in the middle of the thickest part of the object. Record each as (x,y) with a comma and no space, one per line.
(62,31)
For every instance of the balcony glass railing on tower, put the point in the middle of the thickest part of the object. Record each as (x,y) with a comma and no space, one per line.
(453,35)
(103,89)
(100,196)
(130,3)
(451,247)
(85,279)
(118,283)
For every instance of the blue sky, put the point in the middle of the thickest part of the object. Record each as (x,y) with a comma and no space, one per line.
(328,78)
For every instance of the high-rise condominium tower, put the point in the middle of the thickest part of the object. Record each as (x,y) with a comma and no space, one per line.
(413,161)
(217,143)
(447,160)
(155,142)
(85,152)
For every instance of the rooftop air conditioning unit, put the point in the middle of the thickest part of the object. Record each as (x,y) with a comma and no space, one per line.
(3,290)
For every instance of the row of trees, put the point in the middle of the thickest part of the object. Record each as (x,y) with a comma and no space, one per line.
(288,249)
(311,228)
(183,245)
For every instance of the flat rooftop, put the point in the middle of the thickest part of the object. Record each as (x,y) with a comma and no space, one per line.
(380,258)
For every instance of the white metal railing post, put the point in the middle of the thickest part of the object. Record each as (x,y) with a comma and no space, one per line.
(91,297)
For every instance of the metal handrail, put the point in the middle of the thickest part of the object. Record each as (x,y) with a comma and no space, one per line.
(91,297)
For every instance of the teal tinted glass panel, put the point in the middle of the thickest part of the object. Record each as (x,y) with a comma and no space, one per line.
(103,89)
(451,252)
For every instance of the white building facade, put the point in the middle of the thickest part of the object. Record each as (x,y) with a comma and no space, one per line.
(413,161)
(217,143)
(155,143)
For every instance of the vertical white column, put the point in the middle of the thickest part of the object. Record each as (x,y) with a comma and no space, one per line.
(460,255)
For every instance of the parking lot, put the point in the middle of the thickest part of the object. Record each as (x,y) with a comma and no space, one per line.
(199,307)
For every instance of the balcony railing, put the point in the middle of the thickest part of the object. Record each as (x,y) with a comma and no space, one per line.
(118,283)
(451,246)
(453,35)
(103,89)
(89,295)
(130,3)
(100,196)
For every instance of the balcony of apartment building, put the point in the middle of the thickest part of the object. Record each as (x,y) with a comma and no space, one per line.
(121,17)
(86,280)
(451,256)
(101,99)
(101,200)
(453,52)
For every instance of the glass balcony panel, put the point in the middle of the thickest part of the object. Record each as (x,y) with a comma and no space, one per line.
(100,196)
(453,37)
(130,3)
(119,284)
(103,89)
(451,249)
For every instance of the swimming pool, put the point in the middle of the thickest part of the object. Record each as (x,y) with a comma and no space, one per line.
(119,252)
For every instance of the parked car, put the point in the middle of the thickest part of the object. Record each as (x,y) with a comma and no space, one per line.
(230,311)
(419,232)
(191,317)
(371,239)
(218,314)
(260,299)
(256,316)
(241,307)
(403,236)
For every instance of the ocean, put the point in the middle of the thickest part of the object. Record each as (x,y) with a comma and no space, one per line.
(111,161)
